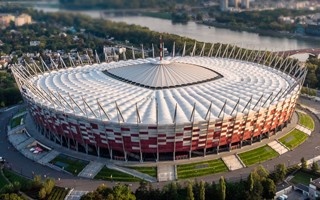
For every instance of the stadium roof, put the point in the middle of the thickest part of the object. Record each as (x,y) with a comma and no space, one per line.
(89,92)
(163,74)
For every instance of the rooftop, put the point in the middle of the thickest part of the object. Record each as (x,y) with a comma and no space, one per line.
(163,74)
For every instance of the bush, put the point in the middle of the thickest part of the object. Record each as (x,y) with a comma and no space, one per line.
(42,193)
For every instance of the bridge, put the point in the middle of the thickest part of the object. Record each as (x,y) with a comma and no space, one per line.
(314,52)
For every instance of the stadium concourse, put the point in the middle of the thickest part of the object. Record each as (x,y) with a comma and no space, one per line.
(163,109)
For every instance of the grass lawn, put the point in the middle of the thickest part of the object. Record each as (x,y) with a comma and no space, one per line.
(114,175)
(3,182)
(58,193)
(151,171)
(16,121)
(303,178)
(258,155)
(14,177)
(70,164)
(306,121)
(201,168)
(293,139)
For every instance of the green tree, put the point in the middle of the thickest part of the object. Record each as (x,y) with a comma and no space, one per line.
(11,196)
(280,173)
(202,195)
(303,163)
(211,190)
(42,193)
(314,167)
(121,192)
(269,189)
(250,182)
(49,185)
(190,195)
(222,188)
(142,192)
(171,191)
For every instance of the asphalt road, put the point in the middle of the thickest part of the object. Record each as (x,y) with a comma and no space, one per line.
(26,167)
(16,160)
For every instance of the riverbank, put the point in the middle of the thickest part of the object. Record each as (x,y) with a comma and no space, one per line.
(262,32)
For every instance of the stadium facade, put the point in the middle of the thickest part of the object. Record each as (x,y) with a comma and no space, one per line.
(155,109)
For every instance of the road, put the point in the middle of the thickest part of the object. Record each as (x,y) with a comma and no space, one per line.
(25,166)
(17,161)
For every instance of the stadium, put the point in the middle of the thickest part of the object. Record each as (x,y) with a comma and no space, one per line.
(160,109)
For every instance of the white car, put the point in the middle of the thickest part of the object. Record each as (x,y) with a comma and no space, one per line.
(2,160)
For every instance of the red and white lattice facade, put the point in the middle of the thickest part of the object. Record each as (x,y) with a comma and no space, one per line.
(148,109)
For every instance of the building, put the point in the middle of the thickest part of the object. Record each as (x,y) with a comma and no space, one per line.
(5,19)
(234,3)
(23,19)
(34,43)
(158,109)
(313,29)
(224,5)
(314,189)
(245,4)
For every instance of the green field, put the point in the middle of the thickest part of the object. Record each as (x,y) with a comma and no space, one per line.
(70,164)
(3,181)
(293,139)
(303,178)
(114,175)
(201,169)
(258,155)
(16,121)
(58,193)
(306,120)
(151,171)
(13,177)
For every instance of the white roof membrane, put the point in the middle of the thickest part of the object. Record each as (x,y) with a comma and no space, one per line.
(240,81)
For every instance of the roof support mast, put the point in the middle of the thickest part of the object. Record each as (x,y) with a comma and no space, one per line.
(161,48)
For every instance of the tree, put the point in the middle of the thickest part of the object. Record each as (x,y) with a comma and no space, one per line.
(11,196)
(280,173)
(269,189)
(250,182)
(314,166)
(42,193)
(222,188)
(211,190)
(171,191)
(190,195)
(202,195)
(121,192)
(142,191)
(303,163)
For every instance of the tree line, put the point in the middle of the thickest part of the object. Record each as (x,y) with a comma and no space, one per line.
(122,4)
(260,184)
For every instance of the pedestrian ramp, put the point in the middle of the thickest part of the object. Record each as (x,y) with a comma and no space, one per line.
(304,129)
(75,195)
(132,172)
(232,162)
(47,158)
(278,147)
(25,143)
(91,170)
(166,173)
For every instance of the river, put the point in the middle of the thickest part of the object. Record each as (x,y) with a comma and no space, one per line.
(210,35)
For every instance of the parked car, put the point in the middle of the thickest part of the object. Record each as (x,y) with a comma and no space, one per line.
(2,160)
